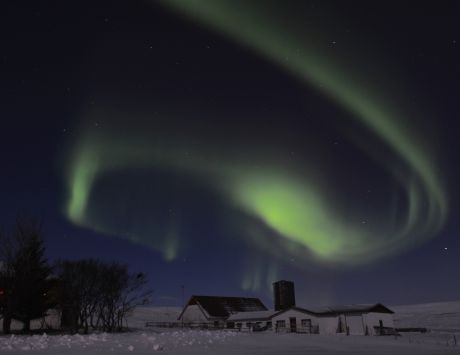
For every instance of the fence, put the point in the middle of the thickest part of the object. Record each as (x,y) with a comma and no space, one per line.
(385,331)
(314,329)
(239,327)
(185,325)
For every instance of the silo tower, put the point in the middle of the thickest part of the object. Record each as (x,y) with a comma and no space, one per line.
(284,294)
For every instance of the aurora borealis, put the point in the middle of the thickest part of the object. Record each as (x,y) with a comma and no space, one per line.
(303,138)
(292,206)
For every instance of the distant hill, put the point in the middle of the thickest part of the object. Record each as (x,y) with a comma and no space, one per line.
(440,316)
(153,314)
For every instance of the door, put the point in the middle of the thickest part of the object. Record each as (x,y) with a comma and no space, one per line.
(293,324)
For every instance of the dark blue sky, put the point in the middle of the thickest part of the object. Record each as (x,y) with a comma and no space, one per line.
(137,59)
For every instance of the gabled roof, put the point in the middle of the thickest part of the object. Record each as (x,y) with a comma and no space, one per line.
(222,307)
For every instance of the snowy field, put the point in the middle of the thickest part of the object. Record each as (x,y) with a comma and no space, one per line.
(442,318)
(216,342)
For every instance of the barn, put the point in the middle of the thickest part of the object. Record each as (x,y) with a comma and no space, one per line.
(213,311)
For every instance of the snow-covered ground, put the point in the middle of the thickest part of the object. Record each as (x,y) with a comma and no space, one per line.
(442,318)
(216,342)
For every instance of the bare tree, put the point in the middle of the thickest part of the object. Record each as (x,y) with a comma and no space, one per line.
(122,293)
(133,294)
(80,292)
(99,295)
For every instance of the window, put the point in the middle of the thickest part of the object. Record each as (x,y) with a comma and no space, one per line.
(306,325)
(230,325)
(280,324)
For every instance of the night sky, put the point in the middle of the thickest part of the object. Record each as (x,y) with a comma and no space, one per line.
(223,145)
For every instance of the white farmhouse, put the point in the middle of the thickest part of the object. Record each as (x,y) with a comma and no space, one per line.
(373,319)
(294,319)
(259,320)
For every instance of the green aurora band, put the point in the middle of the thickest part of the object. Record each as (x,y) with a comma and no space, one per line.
(297,208)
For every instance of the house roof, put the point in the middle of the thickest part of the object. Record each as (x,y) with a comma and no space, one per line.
(222,307)
(353,308)
(264,315)
(258,315)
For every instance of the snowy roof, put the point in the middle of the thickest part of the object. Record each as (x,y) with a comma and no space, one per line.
(264,315)
(222,307)
(353,308)
(258,315)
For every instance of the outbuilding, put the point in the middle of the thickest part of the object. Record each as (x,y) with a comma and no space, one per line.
(361,319)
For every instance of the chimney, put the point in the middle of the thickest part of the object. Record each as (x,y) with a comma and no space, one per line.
(284,294)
